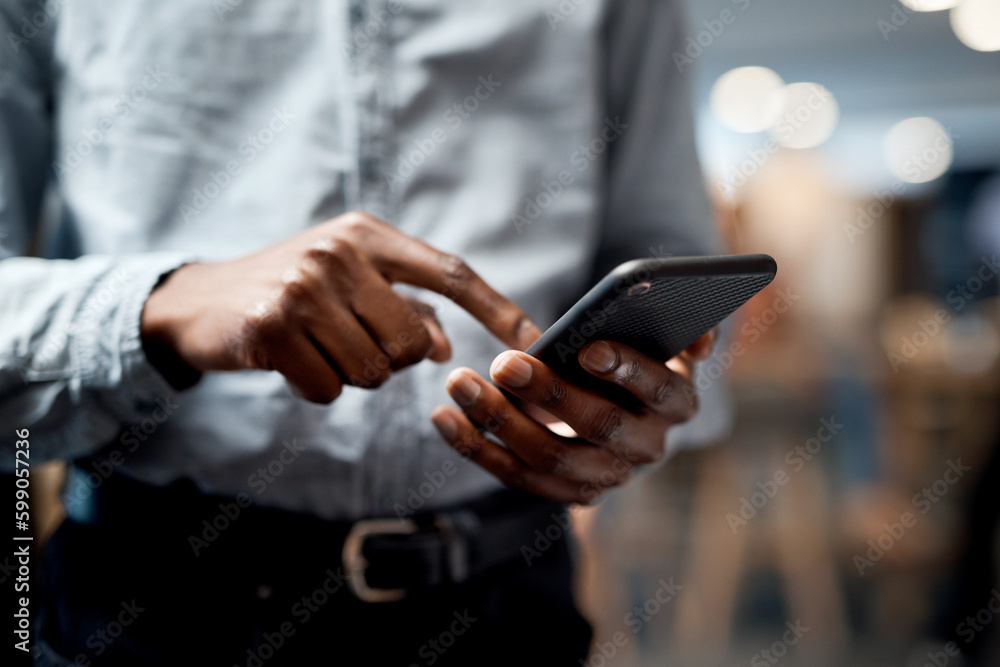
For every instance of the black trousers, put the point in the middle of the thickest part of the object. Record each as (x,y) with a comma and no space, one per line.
(269,590)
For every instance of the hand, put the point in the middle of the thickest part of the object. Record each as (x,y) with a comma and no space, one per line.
(611,440)
(319,308)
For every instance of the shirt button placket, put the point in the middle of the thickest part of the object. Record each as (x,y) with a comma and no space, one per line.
(371,48)
(372,65)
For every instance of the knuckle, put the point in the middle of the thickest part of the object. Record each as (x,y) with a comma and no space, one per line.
(332,253)
(663,391)
(466,447)
(292,305)
(555,462)
(264,328)
(685,403)
(629,372)
(297,286)
(415,350)
(512,474)
(622,463)
(554,396)
(606,425)
(469,443)
(510,317)
(420,310)
(358,222)
(263,335)
(496,419)
(458,277)
(322,254)
(376,373)
(457,274)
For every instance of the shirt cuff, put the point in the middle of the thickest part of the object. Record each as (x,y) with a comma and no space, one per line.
(109,351)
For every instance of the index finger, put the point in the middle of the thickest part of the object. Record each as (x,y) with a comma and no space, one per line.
(402,258)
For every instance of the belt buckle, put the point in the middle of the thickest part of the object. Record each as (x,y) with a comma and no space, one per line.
(355,564)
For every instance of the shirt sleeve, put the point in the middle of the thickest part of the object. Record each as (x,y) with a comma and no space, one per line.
(72,367)
(656,203)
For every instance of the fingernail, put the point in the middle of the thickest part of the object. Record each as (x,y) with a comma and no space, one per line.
(599,357)
(446,425)
(465,391)
(527,333)
(511,370)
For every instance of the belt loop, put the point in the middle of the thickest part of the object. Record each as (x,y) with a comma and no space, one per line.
(460,530)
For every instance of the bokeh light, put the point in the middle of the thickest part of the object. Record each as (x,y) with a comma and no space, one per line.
(977,24)
(918,150)
(808,117)
(748,99)
(930,5)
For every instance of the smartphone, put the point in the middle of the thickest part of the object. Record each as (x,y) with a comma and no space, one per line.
(659,306)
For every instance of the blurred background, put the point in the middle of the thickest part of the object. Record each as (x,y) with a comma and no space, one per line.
(851,516)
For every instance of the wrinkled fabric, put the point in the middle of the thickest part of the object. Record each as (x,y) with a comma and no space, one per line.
(542,141)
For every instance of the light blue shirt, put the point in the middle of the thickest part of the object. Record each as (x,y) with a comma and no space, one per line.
(543,141)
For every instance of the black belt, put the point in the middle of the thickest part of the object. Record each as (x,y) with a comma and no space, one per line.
(382,558)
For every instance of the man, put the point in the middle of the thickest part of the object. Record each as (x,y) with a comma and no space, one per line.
(268,214)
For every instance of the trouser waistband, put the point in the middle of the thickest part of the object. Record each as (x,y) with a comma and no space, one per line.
(381,559)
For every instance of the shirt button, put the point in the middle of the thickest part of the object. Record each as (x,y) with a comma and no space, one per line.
(370,169)
(264,592)
(357,13)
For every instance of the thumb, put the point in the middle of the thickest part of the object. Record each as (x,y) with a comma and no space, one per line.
(440,345)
